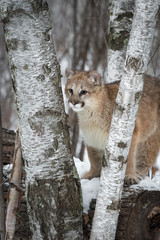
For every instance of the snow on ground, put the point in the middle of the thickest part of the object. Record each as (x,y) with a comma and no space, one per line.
(7,169)
(150,184)
(90,187)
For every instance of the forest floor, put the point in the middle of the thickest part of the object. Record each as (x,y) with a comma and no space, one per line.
(90,190)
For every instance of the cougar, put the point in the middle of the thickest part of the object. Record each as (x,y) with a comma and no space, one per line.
(94,103)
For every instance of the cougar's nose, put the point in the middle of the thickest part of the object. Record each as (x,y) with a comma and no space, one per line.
(74,102)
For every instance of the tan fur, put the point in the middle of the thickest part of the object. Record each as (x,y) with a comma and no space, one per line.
(94,102)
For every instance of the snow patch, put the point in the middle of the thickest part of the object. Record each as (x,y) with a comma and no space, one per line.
(157,164)
(90,187)
(89,191)
(150,184)
(82,167)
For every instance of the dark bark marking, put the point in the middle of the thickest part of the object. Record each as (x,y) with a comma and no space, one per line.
(25,45)
(12,43)
(119,108)
(127,15)
(46,69)
(40,78)
(55,144)
(25,67)
(122,145)
(120,158)
(134,63)
(117,41)
(115,205)
(138,96)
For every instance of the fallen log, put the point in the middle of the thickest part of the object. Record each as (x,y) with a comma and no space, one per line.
(139,217)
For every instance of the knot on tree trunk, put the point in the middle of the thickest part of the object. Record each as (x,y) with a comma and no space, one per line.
(134,63)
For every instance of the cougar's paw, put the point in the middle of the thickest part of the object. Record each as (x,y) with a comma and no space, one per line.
(89,175)
(131,179)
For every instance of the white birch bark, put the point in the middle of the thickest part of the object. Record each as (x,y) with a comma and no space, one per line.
(121,15)
(52,184)
(122,126)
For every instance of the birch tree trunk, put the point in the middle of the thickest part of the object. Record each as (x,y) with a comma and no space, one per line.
(121,15)
(122,126)
(52,184)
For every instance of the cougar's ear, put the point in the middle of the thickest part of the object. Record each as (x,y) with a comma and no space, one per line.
(95,78)
(69,73)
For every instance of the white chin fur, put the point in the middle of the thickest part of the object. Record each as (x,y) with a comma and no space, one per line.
(76,108)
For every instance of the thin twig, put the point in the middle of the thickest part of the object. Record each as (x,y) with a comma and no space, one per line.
(104,36)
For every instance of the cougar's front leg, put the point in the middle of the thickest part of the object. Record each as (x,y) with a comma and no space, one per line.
(95,157)
(131,176)
(147,153)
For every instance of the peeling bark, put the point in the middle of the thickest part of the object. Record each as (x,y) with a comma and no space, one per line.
(122,126)
(52,184)
(14,192)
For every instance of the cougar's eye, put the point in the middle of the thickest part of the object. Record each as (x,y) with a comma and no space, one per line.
(83,92)
(70,91)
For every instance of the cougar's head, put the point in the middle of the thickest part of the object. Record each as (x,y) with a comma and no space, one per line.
(80,87)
